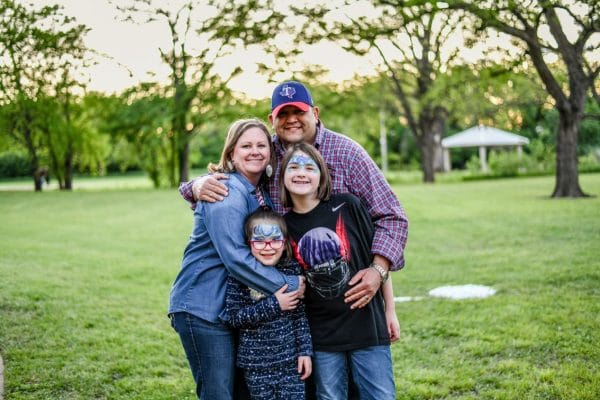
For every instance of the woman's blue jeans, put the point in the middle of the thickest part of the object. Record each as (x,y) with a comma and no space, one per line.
(210,350)
(371,370)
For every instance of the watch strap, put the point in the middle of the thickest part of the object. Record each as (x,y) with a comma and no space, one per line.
(383,273)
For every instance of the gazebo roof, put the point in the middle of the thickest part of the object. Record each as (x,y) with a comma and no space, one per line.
(483,136)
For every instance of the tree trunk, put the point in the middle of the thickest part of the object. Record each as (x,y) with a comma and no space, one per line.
(69,170)
(173,162)
(35,162)
(432,124)
(56,169)
(567,176)
(427,158)
(184,157)
(37,180)
(425,144)
(69,153)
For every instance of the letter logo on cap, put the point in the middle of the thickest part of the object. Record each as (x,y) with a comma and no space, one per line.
(287,91)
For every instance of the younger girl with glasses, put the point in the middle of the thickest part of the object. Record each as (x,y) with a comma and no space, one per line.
(274,341)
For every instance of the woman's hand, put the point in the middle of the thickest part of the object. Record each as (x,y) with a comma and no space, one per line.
(304,367)
(287,301)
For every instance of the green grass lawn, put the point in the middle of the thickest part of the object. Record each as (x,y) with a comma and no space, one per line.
(85,279)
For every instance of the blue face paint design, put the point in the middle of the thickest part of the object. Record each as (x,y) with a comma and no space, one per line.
(266,231)
(299,161)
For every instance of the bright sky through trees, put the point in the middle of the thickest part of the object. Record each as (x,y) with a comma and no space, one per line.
(135,48)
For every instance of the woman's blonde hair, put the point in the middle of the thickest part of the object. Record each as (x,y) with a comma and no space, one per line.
(236,130)
(324,190)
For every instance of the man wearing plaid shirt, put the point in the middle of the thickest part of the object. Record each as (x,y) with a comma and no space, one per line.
(295,118)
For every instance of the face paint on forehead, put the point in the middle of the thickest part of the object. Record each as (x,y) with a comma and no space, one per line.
(266,231)
(303,160)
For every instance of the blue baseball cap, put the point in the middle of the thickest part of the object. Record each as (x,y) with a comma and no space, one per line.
(290,93)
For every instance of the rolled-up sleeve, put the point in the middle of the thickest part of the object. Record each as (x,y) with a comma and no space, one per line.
(185,190)
(387,214)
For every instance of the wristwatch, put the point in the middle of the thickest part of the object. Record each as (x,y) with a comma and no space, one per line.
(383,273)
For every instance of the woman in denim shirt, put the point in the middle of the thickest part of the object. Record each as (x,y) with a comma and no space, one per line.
(217,248)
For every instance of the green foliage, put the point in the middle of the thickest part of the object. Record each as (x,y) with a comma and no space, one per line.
(543,156)
(508,163)
(122,157)
(207,144)
(590,162)
(148,126)
(14,164)
(88,320)
(589,135)
(539,161)
(540,29)
(198,89)
(490,94)
(140,123)
(70,132)
(90,144)
(40,48)
(473,165)
(352,110)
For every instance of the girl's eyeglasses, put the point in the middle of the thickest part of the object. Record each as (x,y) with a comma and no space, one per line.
(262,244)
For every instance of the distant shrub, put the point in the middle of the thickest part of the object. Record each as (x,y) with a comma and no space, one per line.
(510,163)
(473,165)
(14,165)
(123,157)
(507,164)
(590,162)
(543,155)
(541,161)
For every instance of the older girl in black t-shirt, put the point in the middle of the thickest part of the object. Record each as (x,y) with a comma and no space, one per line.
(331,239)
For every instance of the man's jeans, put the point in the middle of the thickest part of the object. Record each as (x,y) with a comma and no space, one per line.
(371,371)
(210,350)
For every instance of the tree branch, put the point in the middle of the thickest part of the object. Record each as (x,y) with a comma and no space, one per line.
(400,94)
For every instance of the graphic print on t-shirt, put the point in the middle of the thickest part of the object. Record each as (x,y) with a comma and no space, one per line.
(324,255)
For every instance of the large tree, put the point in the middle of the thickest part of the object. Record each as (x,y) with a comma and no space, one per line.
(415,45)
(558,37)
(39,49)
(201,34)
(68,126)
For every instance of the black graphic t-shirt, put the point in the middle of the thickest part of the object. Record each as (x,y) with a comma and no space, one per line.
(332,242)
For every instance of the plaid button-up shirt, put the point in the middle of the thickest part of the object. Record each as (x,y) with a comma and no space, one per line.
(352,171)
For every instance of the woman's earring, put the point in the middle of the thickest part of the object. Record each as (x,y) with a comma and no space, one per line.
(230,165)
(269,170)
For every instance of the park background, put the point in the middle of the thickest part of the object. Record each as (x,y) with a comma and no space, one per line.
(88,259)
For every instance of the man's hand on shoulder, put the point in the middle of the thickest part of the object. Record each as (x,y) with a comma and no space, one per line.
(208,188)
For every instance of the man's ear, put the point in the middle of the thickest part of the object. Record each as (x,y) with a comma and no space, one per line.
(316,112)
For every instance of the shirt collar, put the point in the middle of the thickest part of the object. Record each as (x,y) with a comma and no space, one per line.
(320,136)
(242,179)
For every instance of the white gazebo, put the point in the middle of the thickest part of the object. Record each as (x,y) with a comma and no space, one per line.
(481,136)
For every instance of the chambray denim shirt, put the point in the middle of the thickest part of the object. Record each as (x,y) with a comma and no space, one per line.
(216,248)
